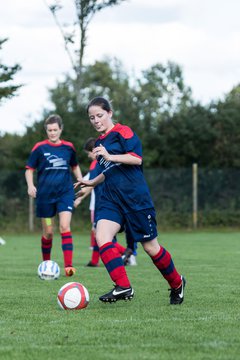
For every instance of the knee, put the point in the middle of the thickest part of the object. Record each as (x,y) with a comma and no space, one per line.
(64,228)
(151,247)
(48,234)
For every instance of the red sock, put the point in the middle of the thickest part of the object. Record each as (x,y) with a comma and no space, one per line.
(113,262)
(95,253)
(120,248)
(46,248)
(92,238)
(67,248)
(163,261)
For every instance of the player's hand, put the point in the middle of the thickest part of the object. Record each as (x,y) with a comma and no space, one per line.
(79,193)
(77,202)
(83,183)
(101,150)
(32,191)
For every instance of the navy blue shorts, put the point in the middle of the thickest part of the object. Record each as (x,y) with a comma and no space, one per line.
(48,210)
(140,226)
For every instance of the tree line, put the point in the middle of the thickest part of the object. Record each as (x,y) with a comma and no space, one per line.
(175,130)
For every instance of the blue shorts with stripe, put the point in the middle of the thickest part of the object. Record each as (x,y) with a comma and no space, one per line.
(140,226)
(48,210)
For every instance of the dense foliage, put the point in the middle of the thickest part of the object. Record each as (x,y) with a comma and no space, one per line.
(7,73)
(175,130)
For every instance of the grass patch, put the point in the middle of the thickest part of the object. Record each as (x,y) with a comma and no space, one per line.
(205,327)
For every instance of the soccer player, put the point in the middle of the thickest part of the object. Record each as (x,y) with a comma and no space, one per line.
(53,159)
(125,201)
(94,171)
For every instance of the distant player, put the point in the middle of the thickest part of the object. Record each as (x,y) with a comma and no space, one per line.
(53,159)
(125,201)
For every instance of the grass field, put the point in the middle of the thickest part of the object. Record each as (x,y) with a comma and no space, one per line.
(205,326)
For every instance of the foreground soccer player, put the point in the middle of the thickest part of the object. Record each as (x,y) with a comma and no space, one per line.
(53,158)
(125,201)
(94,171)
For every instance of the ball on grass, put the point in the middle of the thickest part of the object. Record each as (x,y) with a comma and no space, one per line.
(48,270)
(73,296)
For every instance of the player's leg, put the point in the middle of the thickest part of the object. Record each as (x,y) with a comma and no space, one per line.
(46,212)
(142,226)
(47,238)
(92,233)
(64,209)
(67,241)
(162,259)
(129,256)
(120,247)
(94,262)
(111,258)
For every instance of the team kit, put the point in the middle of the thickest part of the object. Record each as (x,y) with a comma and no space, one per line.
(123,203)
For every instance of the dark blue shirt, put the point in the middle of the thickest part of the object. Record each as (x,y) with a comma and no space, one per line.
(124,184)
(53,163)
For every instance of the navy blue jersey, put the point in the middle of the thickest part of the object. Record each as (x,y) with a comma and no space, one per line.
(53,163)
(124,184)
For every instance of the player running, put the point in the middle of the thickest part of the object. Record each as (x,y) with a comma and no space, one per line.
(53,158)
(125,201)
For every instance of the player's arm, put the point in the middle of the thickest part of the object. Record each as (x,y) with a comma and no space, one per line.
(94,182)
(77,172)
(127,159)
(82,194)
(32,191)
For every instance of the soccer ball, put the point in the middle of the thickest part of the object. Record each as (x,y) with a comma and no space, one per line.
(73,296)
(48,270)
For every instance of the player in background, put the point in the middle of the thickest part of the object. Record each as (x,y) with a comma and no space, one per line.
(90,191)
(94,170)
(125,201)
(53,159)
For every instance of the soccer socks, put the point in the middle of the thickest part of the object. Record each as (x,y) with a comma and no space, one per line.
(163,261)
(113,262)
(67,248)
(92,238)
(95,253)
(46,246)
(120,248)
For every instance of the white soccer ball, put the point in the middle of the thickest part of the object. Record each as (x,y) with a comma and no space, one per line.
(48,270)
(73,296)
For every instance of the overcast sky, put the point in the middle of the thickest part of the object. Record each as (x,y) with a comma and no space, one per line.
(202,36)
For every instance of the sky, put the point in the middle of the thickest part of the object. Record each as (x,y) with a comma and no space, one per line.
(202,36)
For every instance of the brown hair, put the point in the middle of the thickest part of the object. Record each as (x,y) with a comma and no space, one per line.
(54,119)
(100,101)
(89,144)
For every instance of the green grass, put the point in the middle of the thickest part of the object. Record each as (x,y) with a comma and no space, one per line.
(205,326)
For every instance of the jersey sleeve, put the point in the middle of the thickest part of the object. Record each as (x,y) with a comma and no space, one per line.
(33,159)
(73,159)
(131,143)
(97,170)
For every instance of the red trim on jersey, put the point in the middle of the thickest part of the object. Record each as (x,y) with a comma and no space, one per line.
(93,165)
(68,143)
(134,154)
(44,142)
(123,130)
(29,168)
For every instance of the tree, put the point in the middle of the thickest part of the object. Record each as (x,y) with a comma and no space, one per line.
(226,116)
(85,10)
(7,90)
(145,104)
(159,94)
